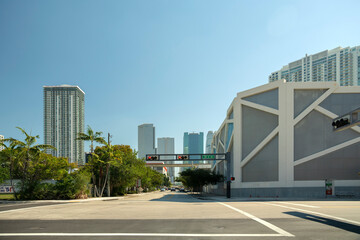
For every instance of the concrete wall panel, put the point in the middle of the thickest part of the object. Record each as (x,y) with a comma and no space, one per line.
(343,164)
(268,99)
(256,126)
(265,165)
(341,103)
(304,98)
(314,133)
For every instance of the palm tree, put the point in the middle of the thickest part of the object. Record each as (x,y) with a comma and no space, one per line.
(9,156)
(23,152)
(91,136)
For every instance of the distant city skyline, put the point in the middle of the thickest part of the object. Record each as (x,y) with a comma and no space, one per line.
(176,64)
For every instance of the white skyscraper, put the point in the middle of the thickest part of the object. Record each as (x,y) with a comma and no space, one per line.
(166,145)
(341,65)
(63,120)
(146,140)
(1,137)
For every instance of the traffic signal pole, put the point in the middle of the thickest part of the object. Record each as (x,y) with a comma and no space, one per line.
(228,174)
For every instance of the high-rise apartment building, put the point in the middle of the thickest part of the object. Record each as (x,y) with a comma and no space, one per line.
(166,145)
(63,120)
(1,138)
(341,65)
(146,140)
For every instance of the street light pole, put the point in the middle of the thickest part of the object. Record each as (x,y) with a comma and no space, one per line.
(108,177)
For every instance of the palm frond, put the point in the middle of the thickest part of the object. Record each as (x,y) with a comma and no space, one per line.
(83,136)
(23,131)
(101,140)
(45,146)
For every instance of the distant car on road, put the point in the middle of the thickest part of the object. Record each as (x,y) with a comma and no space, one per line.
(173,189)
(163,189)
(182,189)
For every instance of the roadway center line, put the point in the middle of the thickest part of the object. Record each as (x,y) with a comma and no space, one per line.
(134,234)
(265,223)
(316,213)
(302,205)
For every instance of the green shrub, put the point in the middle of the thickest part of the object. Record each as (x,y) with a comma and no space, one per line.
(73,185)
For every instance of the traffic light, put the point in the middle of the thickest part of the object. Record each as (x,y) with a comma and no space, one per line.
(232,178)
(182,157)
(340,122)
(152,157)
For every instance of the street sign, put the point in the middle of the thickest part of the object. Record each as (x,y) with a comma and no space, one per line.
(207,157)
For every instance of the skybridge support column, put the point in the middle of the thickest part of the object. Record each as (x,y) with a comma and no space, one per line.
(228,174)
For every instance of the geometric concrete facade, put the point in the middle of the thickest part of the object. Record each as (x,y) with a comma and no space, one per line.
(282,143)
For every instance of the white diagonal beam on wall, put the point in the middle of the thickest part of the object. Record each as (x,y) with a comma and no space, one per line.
(260,107)
(327,151)
(260,146)
(332,116)
(220,142)
(314,105)
(231,139)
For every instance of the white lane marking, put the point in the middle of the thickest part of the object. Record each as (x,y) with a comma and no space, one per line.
(316,213)
(267,224)
(134,234)
(302,205)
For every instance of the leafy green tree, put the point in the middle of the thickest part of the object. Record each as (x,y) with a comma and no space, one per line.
(103,158)
(197,178)
(125,174)
(166,181)
(7,158)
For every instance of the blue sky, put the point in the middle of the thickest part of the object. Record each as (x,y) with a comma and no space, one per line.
(176,64)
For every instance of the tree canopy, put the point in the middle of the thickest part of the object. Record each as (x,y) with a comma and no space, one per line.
(196,178)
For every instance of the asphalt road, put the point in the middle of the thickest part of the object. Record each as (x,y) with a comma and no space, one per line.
(174,215)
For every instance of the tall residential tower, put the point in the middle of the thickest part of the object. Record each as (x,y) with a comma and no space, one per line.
(341,65)
(63,120)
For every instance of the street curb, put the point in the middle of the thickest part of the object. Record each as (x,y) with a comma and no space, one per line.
(73,200)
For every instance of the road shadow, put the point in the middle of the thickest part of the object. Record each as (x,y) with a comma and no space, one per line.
(181,197)
(327,221)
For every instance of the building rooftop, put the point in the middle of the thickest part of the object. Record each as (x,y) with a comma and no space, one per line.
(65,85)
